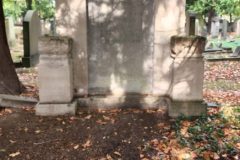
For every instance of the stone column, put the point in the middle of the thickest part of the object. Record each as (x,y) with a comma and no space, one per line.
(55,77)
(169,20)
(71,21)
(188,74)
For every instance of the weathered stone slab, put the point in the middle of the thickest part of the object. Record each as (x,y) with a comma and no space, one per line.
(187,108)
(55,70)
(31,34)
(236,53)
(188,74)
(55,77)
(237,27)
(56,109)
(127,101)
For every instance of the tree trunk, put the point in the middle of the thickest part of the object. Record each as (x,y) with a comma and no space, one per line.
(9,82)
(29,4)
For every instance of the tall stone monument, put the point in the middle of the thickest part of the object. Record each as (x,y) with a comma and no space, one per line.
(120,55)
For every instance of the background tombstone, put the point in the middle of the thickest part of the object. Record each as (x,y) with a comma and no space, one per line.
(45,28)
(31,34)
(237,27)
(191,23)
(10,31)
(224,28)
(200,28)
(215,27)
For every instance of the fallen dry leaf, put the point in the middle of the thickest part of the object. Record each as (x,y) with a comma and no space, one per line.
(87,144)
(117,153)
(101,122)
(14,154)
(88,117)
(76,147)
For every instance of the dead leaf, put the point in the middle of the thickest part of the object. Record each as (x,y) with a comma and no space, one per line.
(88,117)
(11,141)
(117,153)
(106,118)
(76,147)
(38,131)
(101,122)
(87,144)
(109,157)
(14,154)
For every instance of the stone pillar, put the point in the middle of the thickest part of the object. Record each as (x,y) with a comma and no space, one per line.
(31,34)
(167,24)
(55,77)
(188,74)
(71,21)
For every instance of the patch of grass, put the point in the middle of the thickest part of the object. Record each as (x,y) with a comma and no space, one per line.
(222,85)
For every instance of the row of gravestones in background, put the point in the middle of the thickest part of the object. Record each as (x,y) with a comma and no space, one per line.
(218,27)
(33,28)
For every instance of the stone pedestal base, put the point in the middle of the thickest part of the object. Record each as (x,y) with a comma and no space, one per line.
(123,102)
(56,109)
(187,108)
(31,61)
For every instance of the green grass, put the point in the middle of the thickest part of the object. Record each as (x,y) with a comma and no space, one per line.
(226,44)
(222,85)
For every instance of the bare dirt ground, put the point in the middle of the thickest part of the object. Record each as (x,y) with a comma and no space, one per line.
(128,134)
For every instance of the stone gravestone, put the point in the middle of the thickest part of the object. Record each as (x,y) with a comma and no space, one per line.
(215,27)
(191,24)
(236,52)
(237,27)
(224,28)
(31,34)
(188,71)
(10,31)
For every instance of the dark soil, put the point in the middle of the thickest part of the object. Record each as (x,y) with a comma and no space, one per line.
(89,135)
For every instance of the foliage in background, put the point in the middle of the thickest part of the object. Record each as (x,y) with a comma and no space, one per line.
(220,7)
(17,8)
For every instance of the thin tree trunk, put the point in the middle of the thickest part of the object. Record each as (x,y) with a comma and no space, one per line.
(9,82)
(29,4)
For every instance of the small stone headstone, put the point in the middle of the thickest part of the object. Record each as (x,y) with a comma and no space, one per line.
(236,53)
(224,28)
(215,27)
(237,27)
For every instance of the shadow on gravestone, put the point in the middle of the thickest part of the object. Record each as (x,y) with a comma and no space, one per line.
(31,34)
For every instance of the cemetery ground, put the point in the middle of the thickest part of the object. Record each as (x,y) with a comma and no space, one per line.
(131,133)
